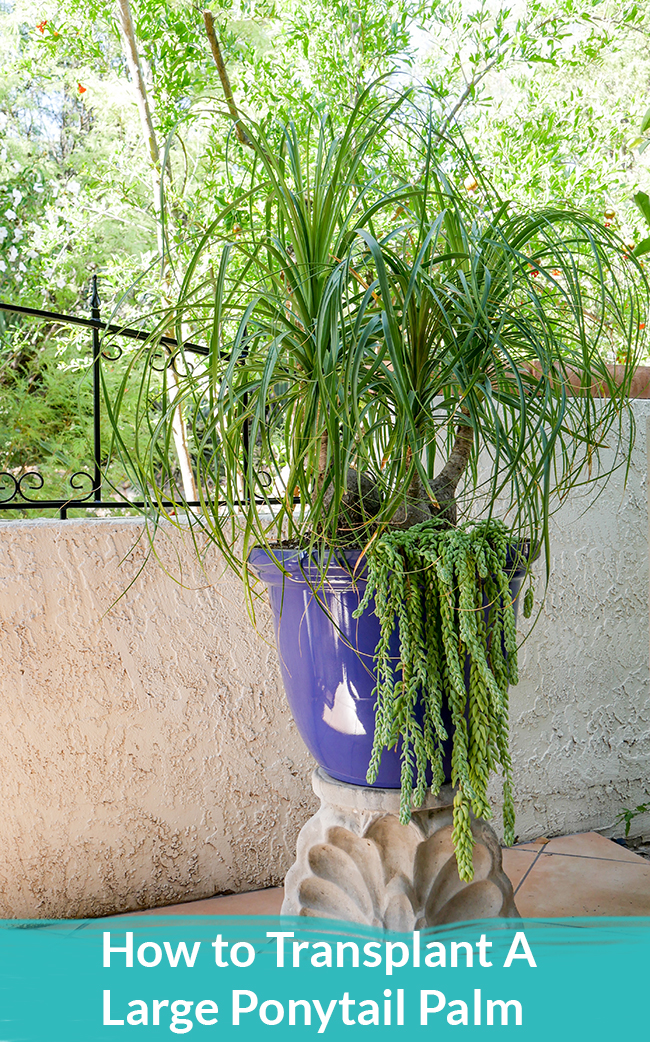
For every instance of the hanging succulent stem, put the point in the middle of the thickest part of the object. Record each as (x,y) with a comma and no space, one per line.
(432,583)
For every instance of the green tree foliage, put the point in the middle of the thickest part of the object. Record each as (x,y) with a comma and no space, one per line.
(547,93)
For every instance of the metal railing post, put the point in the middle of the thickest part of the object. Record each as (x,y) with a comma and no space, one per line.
(95,304)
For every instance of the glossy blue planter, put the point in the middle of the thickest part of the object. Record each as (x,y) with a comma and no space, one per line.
(326,659)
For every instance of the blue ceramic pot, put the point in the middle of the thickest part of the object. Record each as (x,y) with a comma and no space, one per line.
(326,659)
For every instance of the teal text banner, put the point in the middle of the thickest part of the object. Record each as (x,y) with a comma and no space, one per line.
(208,977)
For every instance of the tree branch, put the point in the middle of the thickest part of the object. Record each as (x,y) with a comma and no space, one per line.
(467,92)
(225,79)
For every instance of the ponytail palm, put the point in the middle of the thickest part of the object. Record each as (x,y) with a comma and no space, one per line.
(495,338)
(275,298)
(382,352)
(388,361)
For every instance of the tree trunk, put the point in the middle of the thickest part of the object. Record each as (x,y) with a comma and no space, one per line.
(444,486)
(130,46)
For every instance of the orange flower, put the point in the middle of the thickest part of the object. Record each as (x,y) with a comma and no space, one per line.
(82,90)
(41,25)
(641,325)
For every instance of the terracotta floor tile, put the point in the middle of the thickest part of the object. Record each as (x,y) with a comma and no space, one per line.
(591,844)
(517,861)
(585,875)
(576,875)
(255,902)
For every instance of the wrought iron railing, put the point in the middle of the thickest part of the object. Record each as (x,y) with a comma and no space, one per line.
(17,493)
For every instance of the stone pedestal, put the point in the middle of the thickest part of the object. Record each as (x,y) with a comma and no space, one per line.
(355,862)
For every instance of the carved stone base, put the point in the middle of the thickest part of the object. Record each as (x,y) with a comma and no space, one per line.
(355,862)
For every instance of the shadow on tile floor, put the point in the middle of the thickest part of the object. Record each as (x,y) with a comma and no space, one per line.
(576,875)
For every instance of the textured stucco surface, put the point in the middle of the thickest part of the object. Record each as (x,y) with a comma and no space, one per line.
(146,752)
(580,715)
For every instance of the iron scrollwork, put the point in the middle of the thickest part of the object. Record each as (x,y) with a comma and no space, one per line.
(14,491)
(18,493)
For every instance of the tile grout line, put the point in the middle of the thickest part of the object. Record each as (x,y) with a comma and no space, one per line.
(586,857)
(592,857)
(527,872)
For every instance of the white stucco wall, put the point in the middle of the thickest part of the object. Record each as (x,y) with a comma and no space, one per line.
(580,715)
(147,755)
(146,752)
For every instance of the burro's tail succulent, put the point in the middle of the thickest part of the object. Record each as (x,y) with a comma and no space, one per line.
(435,585)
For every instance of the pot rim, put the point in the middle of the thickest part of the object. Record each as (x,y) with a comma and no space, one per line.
(276,565)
